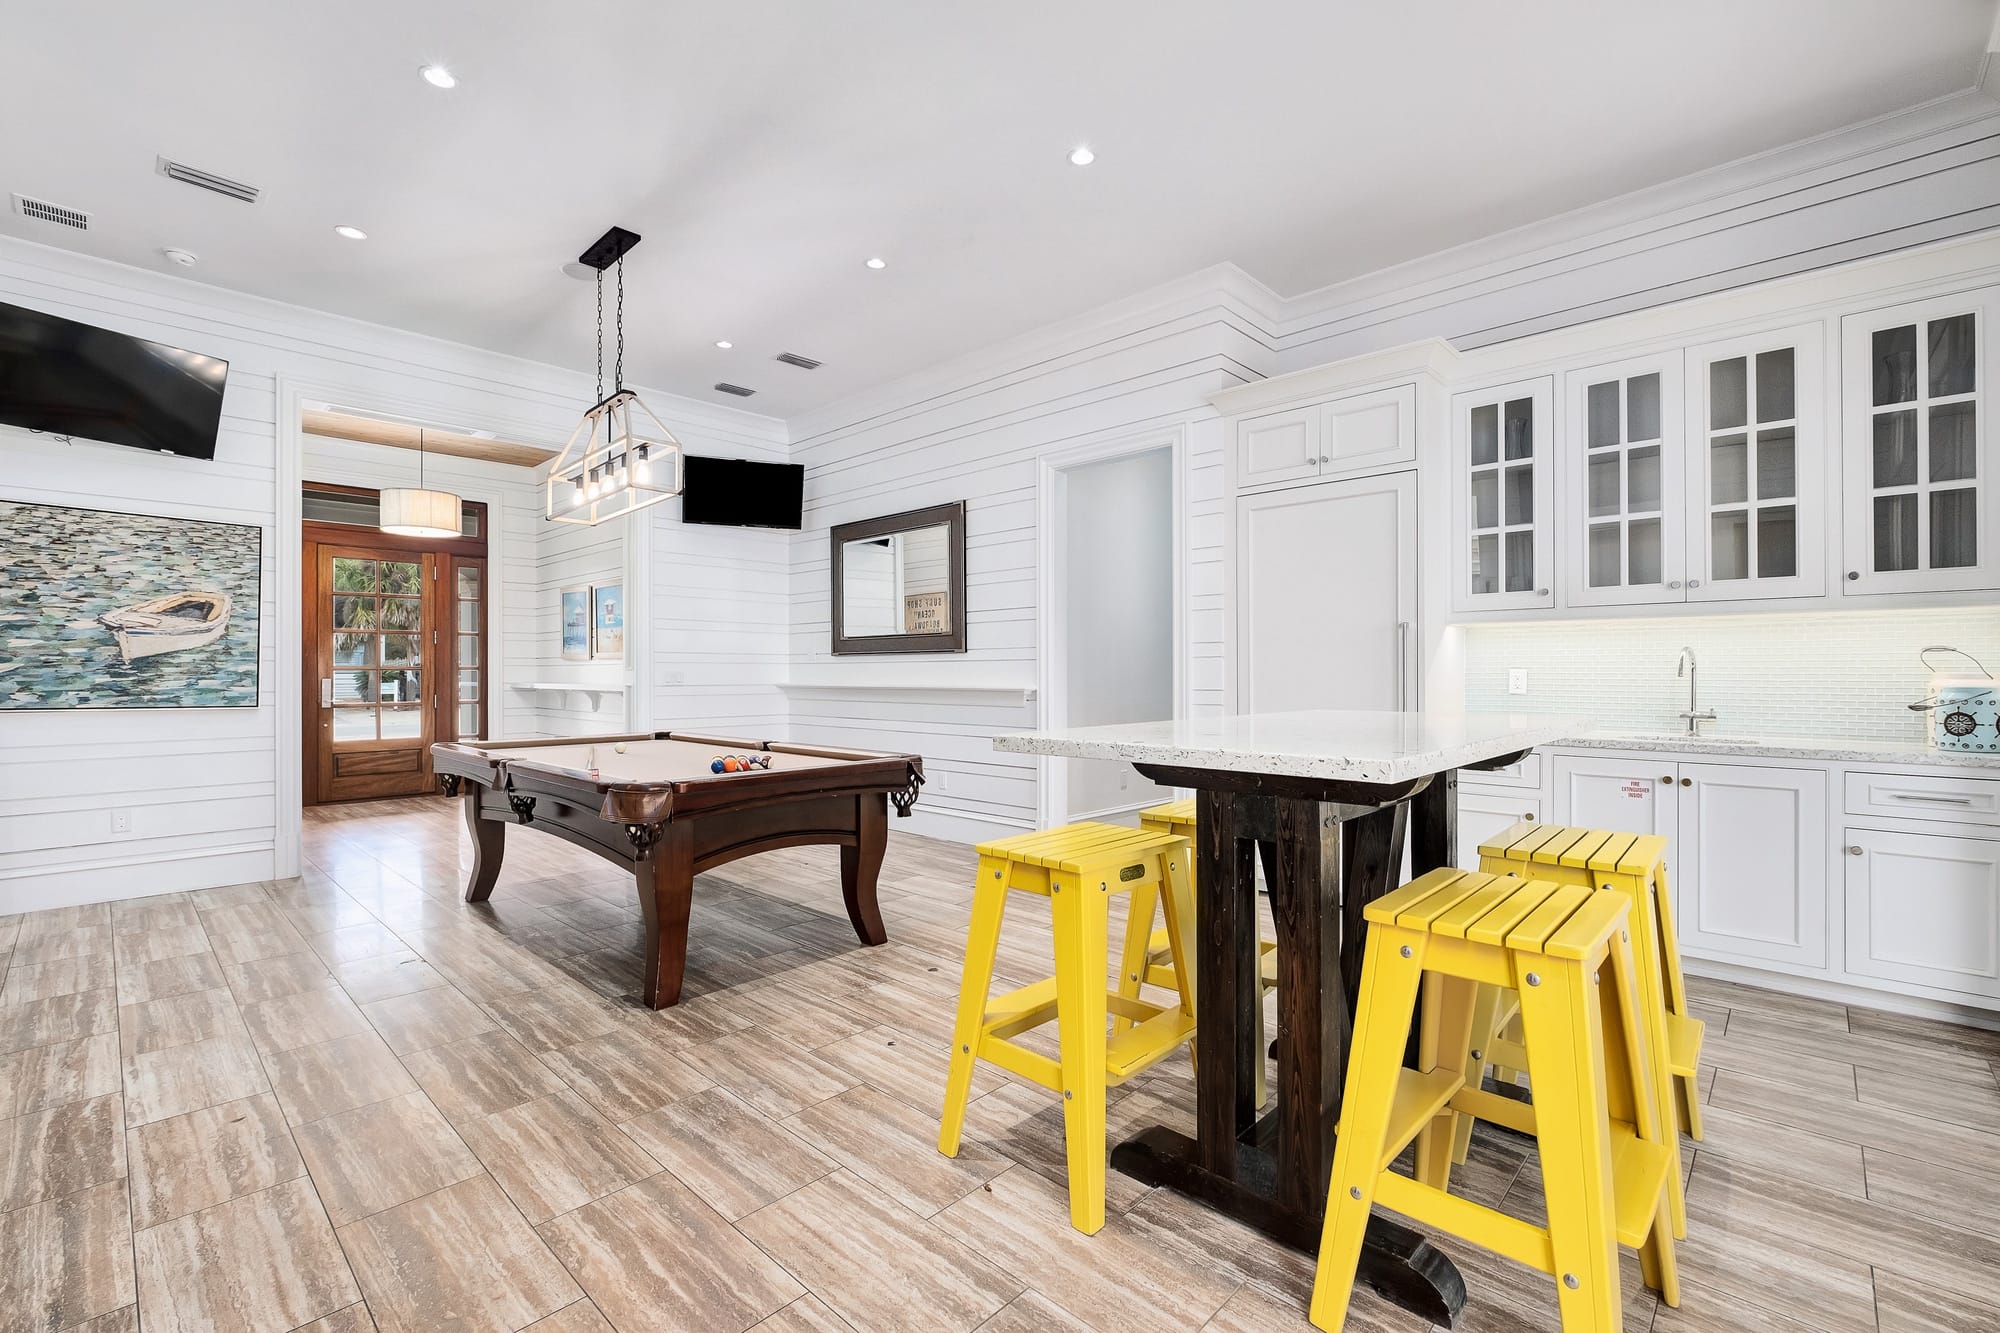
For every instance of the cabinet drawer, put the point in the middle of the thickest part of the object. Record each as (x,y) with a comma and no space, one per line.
(1523,772)
(1952,800)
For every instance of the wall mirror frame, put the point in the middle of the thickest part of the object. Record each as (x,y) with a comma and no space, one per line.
(889,575)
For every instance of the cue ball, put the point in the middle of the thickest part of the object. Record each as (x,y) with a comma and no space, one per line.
(620,747)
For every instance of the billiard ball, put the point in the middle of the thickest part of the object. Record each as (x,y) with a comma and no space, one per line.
(620,747)
(715,765)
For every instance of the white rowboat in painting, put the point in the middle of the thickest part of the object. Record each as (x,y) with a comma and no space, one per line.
(168,624)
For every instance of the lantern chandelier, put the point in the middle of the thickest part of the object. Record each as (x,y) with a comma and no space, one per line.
(621,457)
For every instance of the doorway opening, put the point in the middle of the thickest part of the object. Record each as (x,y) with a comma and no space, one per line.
(394,649)
(1111,536)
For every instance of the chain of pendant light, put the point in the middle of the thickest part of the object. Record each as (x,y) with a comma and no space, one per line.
(618,368)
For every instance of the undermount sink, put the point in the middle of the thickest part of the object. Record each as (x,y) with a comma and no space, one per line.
(1665,736)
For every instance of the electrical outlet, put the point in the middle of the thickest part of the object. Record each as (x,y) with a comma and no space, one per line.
(1517,681)
(121,821)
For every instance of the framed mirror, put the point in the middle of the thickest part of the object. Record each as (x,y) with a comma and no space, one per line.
(899,583)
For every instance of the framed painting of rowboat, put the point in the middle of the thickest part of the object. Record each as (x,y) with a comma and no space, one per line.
(108,610)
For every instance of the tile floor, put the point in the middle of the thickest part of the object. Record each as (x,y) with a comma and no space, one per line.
(350,1102)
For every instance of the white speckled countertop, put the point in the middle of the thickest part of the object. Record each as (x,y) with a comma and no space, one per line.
(1329,744)
(1834,750)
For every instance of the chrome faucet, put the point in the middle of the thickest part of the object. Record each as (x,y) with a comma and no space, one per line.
(1695,714)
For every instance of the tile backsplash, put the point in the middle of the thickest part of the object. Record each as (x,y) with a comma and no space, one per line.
(1818,674)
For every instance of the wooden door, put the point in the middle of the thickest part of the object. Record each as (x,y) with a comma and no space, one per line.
(373,614)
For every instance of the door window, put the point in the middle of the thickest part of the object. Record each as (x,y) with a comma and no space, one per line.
(378,615)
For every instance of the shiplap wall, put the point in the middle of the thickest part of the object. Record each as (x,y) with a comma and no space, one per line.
(570,555)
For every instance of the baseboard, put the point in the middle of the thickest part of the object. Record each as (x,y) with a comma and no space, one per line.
(952,826)
(138,877)
(1840,992)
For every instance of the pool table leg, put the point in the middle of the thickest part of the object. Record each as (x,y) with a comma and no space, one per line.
(861,863)
(489,846)
(666,891)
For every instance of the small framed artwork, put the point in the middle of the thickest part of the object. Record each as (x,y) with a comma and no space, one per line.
(576,623)
(607,605)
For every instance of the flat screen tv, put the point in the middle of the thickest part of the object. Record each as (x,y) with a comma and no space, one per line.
(737,493)
(66,378)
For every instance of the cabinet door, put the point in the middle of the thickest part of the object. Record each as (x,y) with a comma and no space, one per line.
(1623,795)
(1482,814)
(1283,446)
(1369,431)
(1924,908)
(1622,455)
(1919,463)
(1326,596)
(1503,490)
(1749,867)
(1756,432)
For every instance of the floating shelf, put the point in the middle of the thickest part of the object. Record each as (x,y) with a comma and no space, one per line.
(595,693)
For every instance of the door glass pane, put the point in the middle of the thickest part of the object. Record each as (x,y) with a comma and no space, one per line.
(400,687)
(402,613)
(1521,494)
(354,613)
(1895,533)
(1605,562)
(401,650)
(402,577)
(1954,541)
(353,575)
(1776,396)
(354,687)
(468,687)
(1486,563)
(1895,449)
(354,650)
(402,724)
(354,724)
(1951,355)
(1644,538)
(1954,442)
(468,617)
(468,581)
(1642,480)
(468,722)
(468,650)
(1895,365)
(470,520)
(1777,464)
(1727,389)
(1485,425)
(1604,485)
(1729,470)
(1520,561)
(1603,414)
(1521,428)
(1777,542)
(1486,499)
(1642,407)
(1729,545)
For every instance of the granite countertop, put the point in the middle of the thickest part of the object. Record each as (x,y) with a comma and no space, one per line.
(1328,744)
(1829,749)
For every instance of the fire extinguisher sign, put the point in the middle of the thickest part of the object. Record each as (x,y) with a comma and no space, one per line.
(1635,789)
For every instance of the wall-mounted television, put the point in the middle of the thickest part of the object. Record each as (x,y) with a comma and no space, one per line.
(737,493)
(66,378)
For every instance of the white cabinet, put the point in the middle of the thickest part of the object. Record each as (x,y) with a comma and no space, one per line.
(1326,596)
(1482,814)
(1622,455)
(1755,485)
(1364,432)
(1919,462)
(1624,795)
(1503,497)
(1924,908)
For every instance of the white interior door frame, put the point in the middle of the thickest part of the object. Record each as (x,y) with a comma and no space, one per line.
(1051,600)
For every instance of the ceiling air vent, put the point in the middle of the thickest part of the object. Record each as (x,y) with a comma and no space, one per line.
(802,362)
(48,212)
(208,180)
(736,389)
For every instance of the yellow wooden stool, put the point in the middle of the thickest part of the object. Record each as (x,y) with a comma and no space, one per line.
(1606,1152)
(1078,868)
(1146,956)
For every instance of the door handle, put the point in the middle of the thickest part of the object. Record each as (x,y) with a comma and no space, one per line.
(326,692)
(1402,666)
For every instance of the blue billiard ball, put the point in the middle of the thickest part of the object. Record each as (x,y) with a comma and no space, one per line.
(715,765)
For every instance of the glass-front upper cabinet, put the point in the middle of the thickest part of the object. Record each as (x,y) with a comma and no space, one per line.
(1622,454)
(1504,488)
(1756,438)
(1918,466)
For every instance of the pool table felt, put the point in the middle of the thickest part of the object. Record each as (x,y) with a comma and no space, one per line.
(650,760)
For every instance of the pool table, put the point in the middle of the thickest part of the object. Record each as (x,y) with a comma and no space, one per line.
(650,803)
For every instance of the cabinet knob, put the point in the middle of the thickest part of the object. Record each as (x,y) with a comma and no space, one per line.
(1854,851)
(1667,780)
(1853,574)
(1687,782)
(1541,592)
(1530,817)
(1324,460)
(1694,583)
(1673,583)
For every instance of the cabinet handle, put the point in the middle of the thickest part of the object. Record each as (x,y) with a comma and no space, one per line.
(1402,666)
(1853,574)
(1673,583)
(1541,592)
(1854,851)
(1687,782)
(1694,583)
(1667,781)
(1529,817)
(1324,460)
(1930,800)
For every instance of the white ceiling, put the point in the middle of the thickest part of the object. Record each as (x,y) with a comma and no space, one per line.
(766,148)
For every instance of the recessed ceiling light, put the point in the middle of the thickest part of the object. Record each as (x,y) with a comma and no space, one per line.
(185,258)
(724,344)
(351,233)
(437,76)
(878,263)
(1081,156)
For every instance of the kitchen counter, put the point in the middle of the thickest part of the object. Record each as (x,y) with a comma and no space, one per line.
(1828,749)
